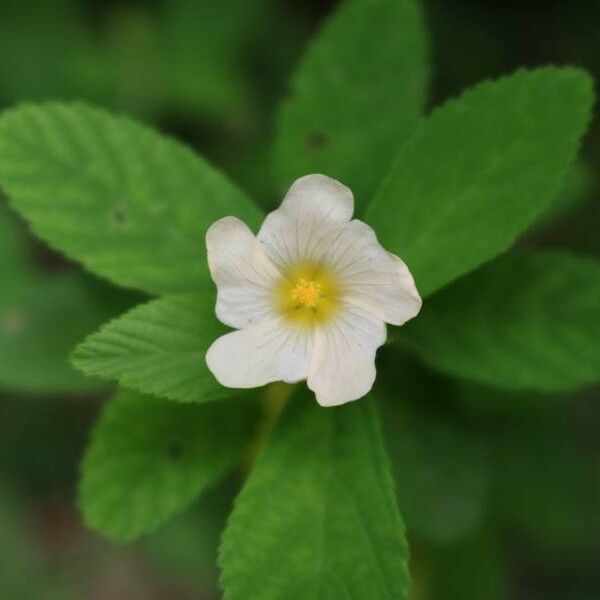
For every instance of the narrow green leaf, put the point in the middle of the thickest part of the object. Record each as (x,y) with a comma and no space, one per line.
(158,348)
(317,517)
(150,458)
(526,321)
(358,93)
(131,205)
(479,171)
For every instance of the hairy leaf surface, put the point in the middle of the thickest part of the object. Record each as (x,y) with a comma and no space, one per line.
(317,517)
(526,321)
(130,204)
(158,348)
(479,171)
(355,98)
(150,458)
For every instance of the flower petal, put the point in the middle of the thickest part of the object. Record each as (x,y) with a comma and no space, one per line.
(342,366)
(265,352)
(321,197)
(371,277)
(314,206)
(243,272)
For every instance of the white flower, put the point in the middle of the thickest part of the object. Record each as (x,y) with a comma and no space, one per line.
(310,295)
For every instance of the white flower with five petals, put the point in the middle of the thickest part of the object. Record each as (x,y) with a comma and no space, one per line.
(310,296)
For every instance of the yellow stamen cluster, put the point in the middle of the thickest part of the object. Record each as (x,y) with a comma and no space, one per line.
(307,292)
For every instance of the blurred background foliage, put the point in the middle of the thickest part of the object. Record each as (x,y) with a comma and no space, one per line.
(500,491)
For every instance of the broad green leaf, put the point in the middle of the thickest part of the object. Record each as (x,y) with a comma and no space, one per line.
(317,518)
(149,459)
(526,321)
(131,205)
(43,316)
(479,171)
(158,348)
(358,93)
(440,467)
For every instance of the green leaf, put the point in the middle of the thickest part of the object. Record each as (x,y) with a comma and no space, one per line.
(317,517)
(131,205)
(351,108)
(526,321)
(158,348)
(479,171)
(149,459)
(43,316)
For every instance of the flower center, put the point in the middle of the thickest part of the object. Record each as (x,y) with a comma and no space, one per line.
(307,292)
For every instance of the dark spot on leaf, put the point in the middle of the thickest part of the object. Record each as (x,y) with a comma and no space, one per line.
(317,141)
(118,215)
(175,450)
